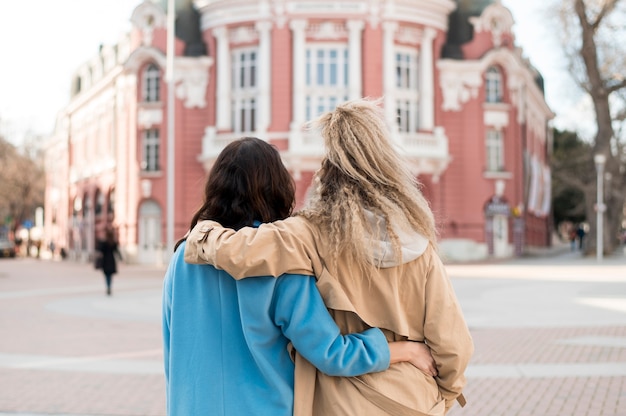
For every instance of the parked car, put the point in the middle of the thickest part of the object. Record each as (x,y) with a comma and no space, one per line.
(7,248)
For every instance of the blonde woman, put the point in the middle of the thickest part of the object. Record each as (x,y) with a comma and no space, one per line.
(369,236)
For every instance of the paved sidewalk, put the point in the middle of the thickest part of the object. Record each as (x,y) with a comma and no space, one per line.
(549,331)
(68,349)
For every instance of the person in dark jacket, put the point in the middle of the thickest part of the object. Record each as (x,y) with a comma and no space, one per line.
(108,249)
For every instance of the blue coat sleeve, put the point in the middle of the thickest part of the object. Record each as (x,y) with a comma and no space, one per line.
(166,313)
(299,310)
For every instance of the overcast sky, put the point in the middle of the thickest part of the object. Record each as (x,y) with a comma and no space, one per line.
(42,42)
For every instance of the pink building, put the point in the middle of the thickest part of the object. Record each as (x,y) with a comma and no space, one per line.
(465,107)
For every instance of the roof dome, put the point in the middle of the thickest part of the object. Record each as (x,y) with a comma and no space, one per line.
(460,30)
(188,26)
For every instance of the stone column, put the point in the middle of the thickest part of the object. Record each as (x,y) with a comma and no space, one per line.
(265,77)
(298,64)
(223,114)
(389,75)
(355,64)
(427,92)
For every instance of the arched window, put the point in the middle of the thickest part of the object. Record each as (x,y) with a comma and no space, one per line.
(86,205)
(151,84)
(111,202)
(99,202)
(493,85)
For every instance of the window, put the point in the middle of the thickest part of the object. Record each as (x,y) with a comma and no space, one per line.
(151,84)
(326,78)
(111,203)
(86,206)
(406,111)
(244,115)
(150,162)
(407,91)
(99,202)
(244,90)
(493,85)
(495,151)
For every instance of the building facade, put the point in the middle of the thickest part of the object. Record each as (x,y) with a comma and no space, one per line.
(465,108)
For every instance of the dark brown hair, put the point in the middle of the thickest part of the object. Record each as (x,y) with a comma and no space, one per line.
(248,182)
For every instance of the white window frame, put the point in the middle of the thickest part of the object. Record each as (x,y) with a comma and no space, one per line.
(245,92)
(493,85)
(151,83)
(326,77)
(151,146)
(406,93)
(494,151)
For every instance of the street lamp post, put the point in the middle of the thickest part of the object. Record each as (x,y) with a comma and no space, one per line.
(171,106)
(599,160)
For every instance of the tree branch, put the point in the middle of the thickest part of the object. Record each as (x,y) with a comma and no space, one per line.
(615,87)
(571,180)
(606,9)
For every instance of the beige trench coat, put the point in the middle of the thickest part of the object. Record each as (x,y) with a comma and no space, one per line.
(413,301)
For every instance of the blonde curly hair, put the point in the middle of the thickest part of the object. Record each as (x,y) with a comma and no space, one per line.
(361,172)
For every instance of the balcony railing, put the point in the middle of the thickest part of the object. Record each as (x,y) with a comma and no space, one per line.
(426,151)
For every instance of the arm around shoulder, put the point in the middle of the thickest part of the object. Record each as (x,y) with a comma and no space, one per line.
(272,249)
(304,319)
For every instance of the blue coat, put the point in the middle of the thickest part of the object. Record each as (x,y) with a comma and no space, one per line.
(225,341)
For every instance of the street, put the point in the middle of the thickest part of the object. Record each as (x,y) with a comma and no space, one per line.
(549,332)
(67,348)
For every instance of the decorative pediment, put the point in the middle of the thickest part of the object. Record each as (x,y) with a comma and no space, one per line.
(146,17)
(461,81)
(191,77)
(496,19)
(148,117)
(143,54)
(458,85)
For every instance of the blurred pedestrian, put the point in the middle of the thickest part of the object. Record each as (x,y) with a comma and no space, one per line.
(580,233)
(52,248)
(108,250)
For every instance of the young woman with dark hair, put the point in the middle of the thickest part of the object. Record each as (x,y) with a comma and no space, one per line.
(227,343)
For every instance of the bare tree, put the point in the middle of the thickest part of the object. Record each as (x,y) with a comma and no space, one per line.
(597,61)
(23,185)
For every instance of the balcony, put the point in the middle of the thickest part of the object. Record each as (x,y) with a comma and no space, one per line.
(427,152)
